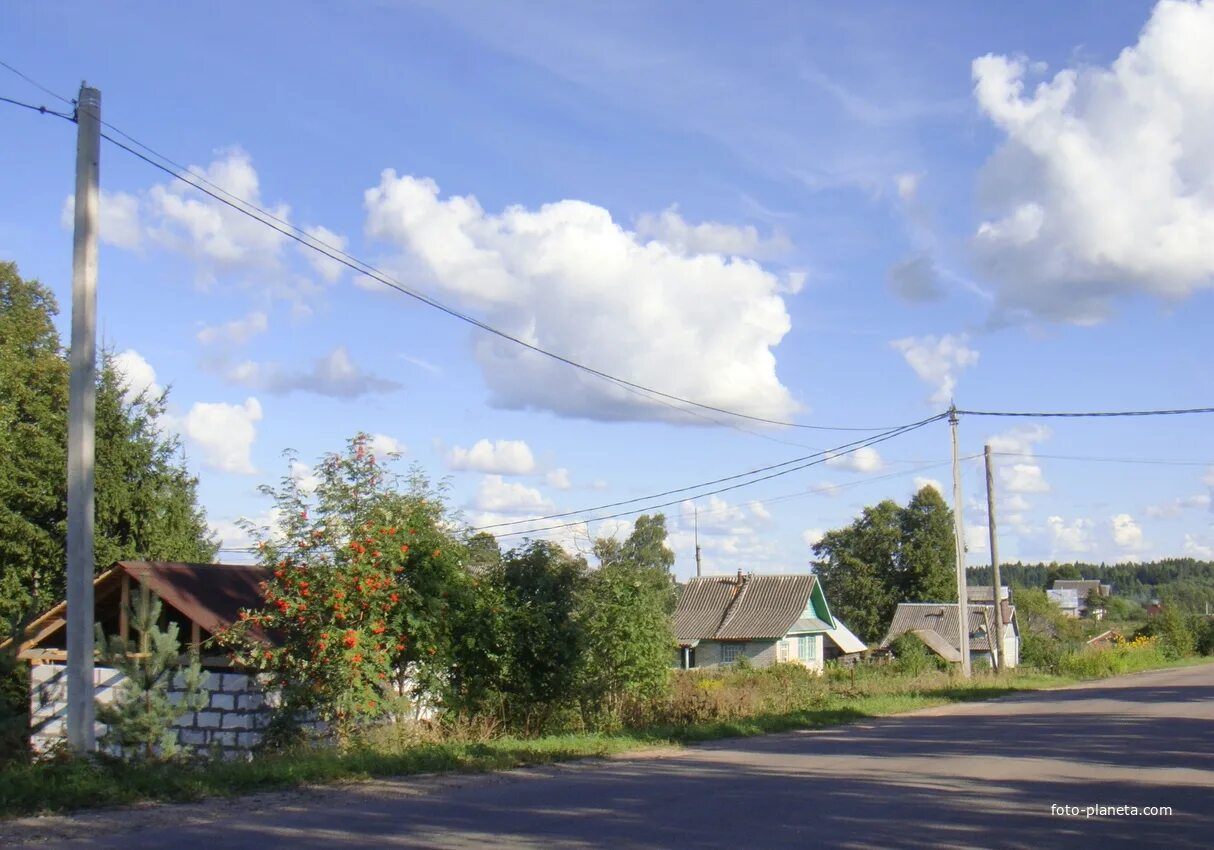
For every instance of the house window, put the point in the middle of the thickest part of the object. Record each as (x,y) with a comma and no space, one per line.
(807,648)
(730,652)
(782,651)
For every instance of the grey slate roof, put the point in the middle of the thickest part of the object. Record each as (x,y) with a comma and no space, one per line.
(985,593)
(1082,586)
(941,618)
(719,608)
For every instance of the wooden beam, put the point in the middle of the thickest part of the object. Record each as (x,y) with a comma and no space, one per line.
(124,620)
(195,634)
(43,633)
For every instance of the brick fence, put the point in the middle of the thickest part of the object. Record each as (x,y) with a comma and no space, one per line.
(231,724)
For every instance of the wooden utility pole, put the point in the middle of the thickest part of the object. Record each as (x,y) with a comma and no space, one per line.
(996,585)
(82,405)
(963,619)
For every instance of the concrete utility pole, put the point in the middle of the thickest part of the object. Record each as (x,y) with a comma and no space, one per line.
(963,618)
(996,654)
(697,521)
(81,431)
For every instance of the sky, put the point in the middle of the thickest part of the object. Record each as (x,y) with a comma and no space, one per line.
(837,216)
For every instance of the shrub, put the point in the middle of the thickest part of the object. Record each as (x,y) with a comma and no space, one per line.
(141,716)
(912,656)
(1174,631)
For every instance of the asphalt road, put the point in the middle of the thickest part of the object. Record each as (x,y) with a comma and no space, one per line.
(975,775)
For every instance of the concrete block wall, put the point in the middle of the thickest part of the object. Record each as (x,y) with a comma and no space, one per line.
(231,723)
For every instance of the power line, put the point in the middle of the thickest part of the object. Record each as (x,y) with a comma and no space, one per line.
(880,439)
(1085,415)
(36,84)
(362,267)
(1146,461)
(42,109)
(825,454)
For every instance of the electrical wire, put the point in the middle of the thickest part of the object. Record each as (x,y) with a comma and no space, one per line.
(42,109)
(1146,461)
(874,441)
(364,268)
(824,454)
(1089,415)
(36,84)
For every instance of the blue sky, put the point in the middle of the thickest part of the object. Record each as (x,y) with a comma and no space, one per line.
(838,216)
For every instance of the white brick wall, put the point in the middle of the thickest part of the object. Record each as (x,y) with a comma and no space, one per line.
(231,723)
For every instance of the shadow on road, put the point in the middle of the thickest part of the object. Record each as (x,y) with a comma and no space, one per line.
(984,777)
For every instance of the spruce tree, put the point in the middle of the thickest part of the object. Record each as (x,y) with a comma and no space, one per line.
(141,716)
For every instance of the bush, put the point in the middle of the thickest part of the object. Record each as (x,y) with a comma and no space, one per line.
(1141,653)
(1040,651)
(1205,636)
(1175,632)
(912,656)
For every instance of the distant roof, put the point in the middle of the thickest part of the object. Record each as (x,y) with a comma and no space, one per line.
(941,618)
(1067,597)
(985,593)
(845,639)
(1082,586)
(760,606)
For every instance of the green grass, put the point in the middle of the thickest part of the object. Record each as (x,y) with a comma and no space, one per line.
(70,783)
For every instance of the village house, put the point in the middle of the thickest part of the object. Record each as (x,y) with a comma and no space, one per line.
(1082,588)
(935,623)
(201,599)
(763,618)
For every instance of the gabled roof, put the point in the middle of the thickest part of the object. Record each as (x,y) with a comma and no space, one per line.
(210,595)
(750,607)
(941,618)
(1082,586)
(985,593)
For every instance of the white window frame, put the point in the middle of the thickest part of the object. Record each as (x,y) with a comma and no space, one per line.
(783,651)
(807,649)
(730,652)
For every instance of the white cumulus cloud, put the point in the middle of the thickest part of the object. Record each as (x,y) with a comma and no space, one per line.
(1074,537)
(118,221)
(567,278)
(328,268)
(558,478)
(505,457)
(864,459)
(235,332)
(1019,471)
(937,361)
(920,482)
(1104,186)
(709,237)
(381,445)
(224,432)
(1127,533)
(497,495)
(138,376)
(335,375)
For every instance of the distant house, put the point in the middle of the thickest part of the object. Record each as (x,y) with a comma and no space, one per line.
(1068,600)
(764,618)
(1083,588)
(935,623)
(201,599)
(983,594)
